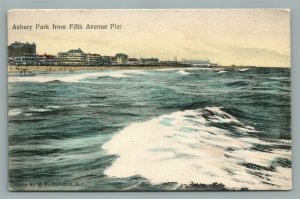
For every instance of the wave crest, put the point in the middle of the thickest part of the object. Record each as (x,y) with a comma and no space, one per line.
(182,72)
(14,112)
(190,146)
(72,78)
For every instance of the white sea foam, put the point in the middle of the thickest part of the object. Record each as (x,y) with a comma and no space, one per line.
(222,71)
(166,69)
(199,68)
(101,105)
(40,110)
(53,107)
(37,78)
(14,112)
(279,78)
(73,78)
(243,69)
(184,147)
(182,72)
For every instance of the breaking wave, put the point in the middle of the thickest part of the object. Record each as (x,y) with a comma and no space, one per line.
(39,110)
(199,68)
(30,110)
(14,112)
(53,107)
(74,78)
(200,146)
(182,72)
(243,69)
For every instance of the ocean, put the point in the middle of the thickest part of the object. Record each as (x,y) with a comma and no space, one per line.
(151,130)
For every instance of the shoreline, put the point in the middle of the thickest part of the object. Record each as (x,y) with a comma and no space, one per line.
(29,69)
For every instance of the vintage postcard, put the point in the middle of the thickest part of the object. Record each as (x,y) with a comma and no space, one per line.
(149,100)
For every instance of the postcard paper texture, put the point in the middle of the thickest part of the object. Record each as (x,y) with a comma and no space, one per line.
(149,100)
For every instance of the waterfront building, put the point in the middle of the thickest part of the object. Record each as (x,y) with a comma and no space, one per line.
(26,60)
(18,49)
(93,59)
(25,54)
(204,62)
(109,60)
(22,53)
(121,59)
(149,61)
(214,64)
(133,61)
(113,61)
(47,60)
(11,60)
(72,58)
(168,63)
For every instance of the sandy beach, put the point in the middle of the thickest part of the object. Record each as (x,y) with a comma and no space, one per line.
(76,68)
